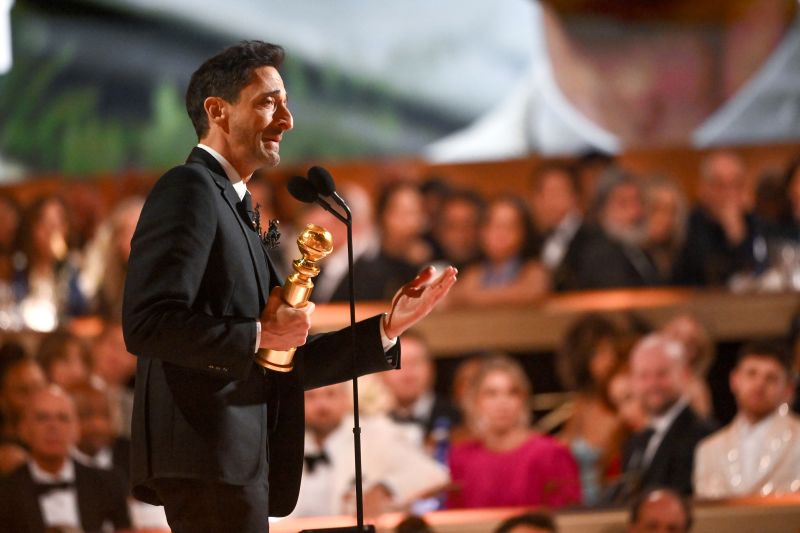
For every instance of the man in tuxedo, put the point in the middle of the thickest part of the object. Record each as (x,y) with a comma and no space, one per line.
(660,510)
(662,454)
(217,439)
(51,490)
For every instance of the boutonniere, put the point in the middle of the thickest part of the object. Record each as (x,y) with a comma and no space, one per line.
(272,237)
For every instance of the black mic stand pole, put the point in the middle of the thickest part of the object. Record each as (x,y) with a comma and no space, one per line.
(360,528)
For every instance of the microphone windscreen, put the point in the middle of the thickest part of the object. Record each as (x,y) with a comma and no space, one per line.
(322,181)
(302,189)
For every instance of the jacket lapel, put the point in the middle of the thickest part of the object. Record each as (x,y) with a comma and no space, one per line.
(258,258)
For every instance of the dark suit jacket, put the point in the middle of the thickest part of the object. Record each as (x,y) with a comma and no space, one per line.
(101,498)
(604,263)
(198,279)
(672,463)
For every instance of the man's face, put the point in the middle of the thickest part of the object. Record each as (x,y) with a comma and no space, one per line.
(325,408)
(659,377)
(257,120)
(760,385)
(725,186)
(458,229)
(22,381)
(50,425)
(94,415)
(624,211)
(661,513)
(416,375)
(554,199)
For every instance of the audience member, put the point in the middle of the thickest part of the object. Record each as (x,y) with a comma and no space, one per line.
(45,283)
(625,401)
(416,404)
(699,349)
(528,523)
(508,273)
(64,359)
(665,232)
(507,464)
(52,490)
(660,510)
(759,452)
(10,218)
(588,356)
(617,244)
(395,471)
(116,368)
(723,238)
(105,263)
(434,190)
(789,218)
(413,524)
(555,198)
(20,379)
(401,222)
(456,230)
(663,454)
(588,168)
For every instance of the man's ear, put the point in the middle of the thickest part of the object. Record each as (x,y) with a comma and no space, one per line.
(216,111)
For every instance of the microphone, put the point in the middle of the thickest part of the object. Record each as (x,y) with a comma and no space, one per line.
(303,190)
(322,181)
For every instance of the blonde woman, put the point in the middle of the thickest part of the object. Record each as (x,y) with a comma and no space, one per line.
(507,464)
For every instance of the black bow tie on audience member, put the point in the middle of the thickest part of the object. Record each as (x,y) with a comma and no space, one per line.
(43,488)
(407,419)
(314,459)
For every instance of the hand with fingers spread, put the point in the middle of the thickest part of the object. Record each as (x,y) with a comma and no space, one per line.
(417,298)
(284,327)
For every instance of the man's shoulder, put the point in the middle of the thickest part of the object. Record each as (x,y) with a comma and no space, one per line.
(693,425)
(96,477)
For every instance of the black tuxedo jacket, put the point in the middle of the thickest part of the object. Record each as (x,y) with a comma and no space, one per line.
(671,465)
(101,498)
(198,278)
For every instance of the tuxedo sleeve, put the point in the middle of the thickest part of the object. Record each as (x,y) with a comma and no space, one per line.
(168,262)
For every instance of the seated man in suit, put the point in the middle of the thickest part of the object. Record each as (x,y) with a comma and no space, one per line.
(416,404)
(759,452)
(660,510)
(395,470)
(51,490)
(662,454)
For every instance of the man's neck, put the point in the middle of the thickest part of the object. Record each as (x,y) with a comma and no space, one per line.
(754,418)
(223,149)
(653,82)
(51,465)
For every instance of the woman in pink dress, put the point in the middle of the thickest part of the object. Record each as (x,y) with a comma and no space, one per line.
(508,464)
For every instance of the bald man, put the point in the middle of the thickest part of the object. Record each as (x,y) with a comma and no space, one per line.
(52,490)
(660,511)
(662,454)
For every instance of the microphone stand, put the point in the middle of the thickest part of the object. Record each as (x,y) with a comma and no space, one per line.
(348,222)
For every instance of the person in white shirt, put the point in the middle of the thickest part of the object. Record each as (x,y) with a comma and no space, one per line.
(51,490)
(758,453)
(395,470)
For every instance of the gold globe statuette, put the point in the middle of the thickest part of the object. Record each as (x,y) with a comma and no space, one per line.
(315,243)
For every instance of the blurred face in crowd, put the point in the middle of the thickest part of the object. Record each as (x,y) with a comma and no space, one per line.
(415,377)
(760,385)
(626,402)
(687,330)
(553,199)
(69,368)
(94,416)
(49,234)
(111,359)
(503,234)
(500,402)
(794,193)
(457,229)
(603,360)
(404,215)
(661,513)
(723,186)
(623,214)
(9,222)
(50,427)
(325,408)
(22,381)
(663,210)
(659,372)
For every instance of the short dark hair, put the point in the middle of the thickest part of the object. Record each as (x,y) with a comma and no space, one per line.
(553,167)
(538,520)
(639,501)
(225,75)
(775,350)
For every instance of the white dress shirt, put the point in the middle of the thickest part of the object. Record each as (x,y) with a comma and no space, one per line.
(59,507)
(660,426)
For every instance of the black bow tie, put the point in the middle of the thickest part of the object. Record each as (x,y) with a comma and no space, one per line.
(312,460)
(43,488)
(407,419)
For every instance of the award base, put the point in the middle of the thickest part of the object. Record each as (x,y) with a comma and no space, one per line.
(368,528)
